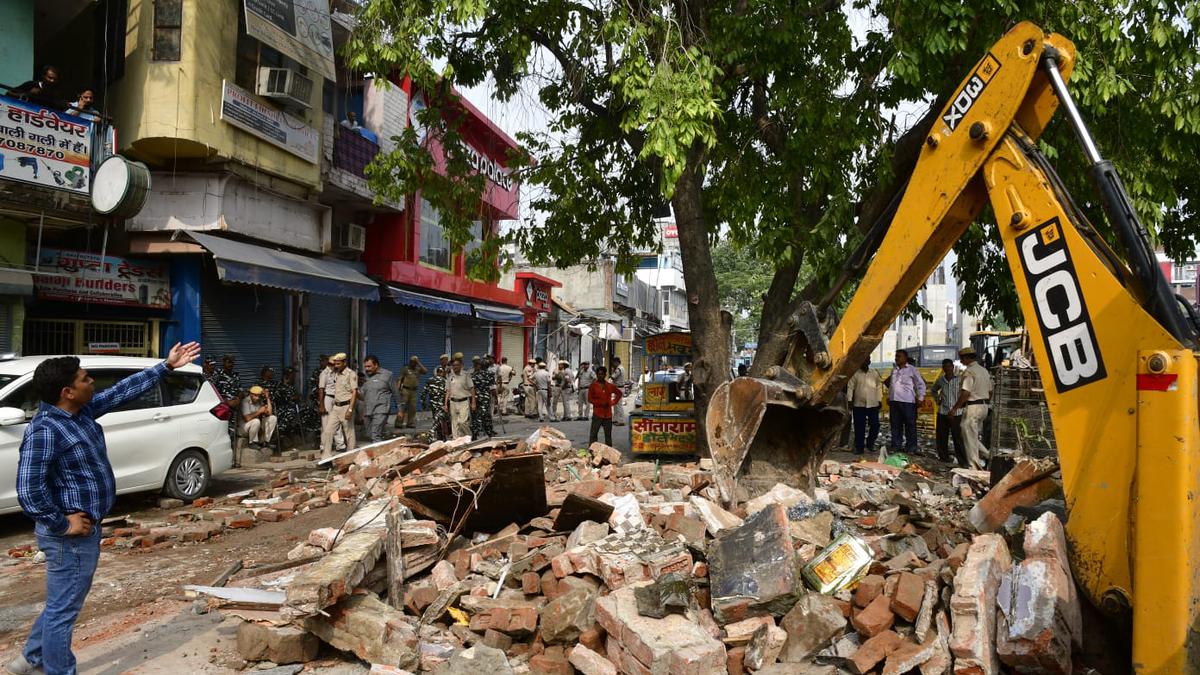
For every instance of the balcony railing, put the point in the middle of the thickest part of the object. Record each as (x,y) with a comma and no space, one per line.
(352,152)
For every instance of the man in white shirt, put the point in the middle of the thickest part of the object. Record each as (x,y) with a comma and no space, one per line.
(504,376)
(864,403)
(906,391)
(541,383)
(618,378)
(258,417)
(973,401)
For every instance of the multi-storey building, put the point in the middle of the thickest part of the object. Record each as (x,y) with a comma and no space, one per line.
(259,235)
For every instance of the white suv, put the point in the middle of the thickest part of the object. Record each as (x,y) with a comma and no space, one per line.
(173,438)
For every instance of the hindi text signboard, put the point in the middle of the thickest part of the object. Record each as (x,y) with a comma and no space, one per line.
(45,147)
(662,435)
(82,276)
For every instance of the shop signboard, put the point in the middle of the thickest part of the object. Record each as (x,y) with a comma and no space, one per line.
(274,126)
(44,146)
(662,435)
(537,295)
(82,276)
(669,344)
(299,28)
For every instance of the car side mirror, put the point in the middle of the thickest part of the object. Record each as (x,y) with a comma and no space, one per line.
(11,416)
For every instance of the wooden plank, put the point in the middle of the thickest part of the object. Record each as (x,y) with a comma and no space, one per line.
(245,596)
(229,572)
(395,557)
(516,493)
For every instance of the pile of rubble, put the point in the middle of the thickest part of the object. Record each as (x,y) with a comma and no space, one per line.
(533,557)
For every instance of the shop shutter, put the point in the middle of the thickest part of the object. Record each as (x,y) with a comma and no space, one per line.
(426,340)
(470,337)
(387,333)
(246,321)
(512,345)
(328,329)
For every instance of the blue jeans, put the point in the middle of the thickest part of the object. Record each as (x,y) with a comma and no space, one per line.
(70,564)
(866,428)
(904,425)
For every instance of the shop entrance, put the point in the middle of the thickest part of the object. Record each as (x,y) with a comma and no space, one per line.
(75,336)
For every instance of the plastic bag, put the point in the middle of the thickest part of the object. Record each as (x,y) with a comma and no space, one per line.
(898,460)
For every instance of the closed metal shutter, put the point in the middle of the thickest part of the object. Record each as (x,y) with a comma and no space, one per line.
(512,345)
(328,329)
(426,340)
(246,321)
(387,333)
(472,338)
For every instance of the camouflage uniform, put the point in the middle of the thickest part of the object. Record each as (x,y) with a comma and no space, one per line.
(481,419)
(435,400)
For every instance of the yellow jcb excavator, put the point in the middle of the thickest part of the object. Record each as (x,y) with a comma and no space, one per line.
(1116,347)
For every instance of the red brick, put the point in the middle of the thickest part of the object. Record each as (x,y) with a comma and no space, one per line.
(549,585)
(549,665)
(285,505)
(202,501)
(270,516)
(906,601)
(735,660)
(593,638)
(874,618)
(531,583)
(868,589)
(874,651)
(589,662)
(240,522)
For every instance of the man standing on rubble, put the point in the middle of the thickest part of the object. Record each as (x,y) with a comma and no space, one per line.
(973,401)
(460,398)
(906,391)
(603,395)
(65,484)
(378,391)
(864,402)
(341,413)
(946,391)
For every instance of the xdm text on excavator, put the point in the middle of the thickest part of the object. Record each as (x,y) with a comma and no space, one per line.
(1117,349)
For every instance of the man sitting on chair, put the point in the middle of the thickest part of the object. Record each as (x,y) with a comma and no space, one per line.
(258,417)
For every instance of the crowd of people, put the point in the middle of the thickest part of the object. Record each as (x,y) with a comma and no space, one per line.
(344,398)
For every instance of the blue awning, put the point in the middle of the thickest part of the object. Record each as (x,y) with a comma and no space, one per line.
(429,303)
(249,264)
(499,314)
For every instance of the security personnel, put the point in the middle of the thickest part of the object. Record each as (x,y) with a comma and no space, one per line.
(583,380)
(460,398)
(341,415)
(377,393)
(410,380)
(542,382)
(562,382)
(973,401)
(504,376)
(530,390)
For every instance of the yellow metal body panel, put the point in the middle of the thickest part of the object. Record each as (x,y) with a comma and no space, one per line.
(1064,284)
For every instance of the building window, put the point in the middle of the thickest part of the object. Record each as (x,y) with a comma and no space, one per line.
(435,250)
(168,29)
(479,228)
(1185,272)
(666,304)
(939,275)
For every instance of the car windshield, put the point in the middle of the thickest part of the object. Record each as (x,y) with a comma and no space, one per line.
(6,380)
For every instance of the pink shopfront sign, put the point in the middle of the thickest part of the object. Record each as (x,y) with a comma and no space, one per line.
(82,276)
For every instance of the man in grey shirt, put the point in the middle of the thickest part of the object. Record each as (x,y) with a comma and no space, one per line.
(378,390)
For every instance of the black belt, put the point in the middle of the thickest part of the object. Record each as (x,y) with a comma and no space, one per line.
(460,400)
(981,401)
(346,402)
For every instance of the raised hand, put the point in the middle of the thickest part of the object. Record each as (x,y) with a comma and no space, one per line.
(181,355)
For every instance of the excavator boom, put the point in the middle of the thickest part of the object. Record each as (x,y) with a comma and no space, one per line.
(1116,350)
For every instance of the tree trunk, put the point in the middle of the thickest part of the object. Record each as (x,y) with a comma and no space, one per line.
(773,329)
(710,325)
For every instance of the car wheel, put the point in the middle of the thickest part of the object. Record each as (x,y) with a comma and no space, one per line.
(188,477)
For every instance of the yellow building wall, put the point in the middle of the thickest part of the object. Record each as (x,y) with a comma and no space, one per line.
(171,110)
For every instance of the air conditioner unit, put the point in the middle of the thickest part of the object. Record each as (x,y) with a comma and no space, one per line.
(352,237)
(627,334)
(286,85)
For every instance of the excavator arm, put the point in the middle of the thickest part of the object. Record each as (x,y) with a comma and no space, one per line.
(1115,348)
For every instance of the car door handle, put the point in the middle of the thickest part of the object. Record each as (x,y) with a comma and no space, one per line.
(160,417)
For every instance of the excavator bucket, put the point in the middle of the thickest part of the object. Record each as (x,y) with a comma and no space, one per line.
(760,432)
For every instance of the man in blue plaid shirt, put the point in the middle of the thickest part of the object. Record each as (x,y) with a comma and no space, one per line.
(65,484)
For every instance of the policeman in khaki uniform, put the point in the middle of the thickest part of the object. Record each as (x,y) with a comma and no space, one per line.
(409,381)
(460,398)
(584,380)
(341,415)
(973,401)
(531,408)
(504,376)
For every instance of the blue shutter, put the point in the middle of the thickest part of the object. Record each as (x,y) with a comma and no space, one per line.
(246,321)
(387,333)
(471,337)
(328,329)
(426,340)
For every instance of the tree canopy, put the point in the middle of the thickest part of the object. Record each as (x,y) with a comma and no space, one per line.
(782,127)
